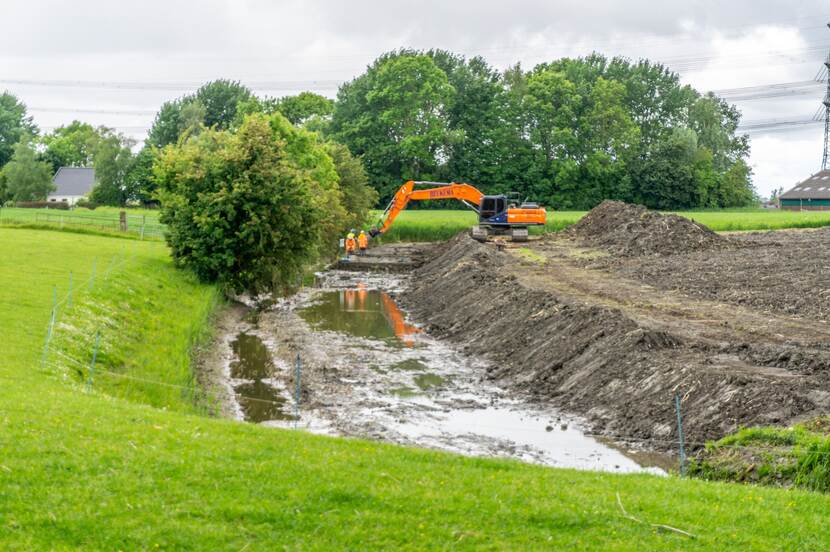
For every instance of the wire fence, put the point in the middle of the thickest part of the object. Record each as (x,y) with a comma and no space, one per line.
(88,371)
(136,225)
(208,400)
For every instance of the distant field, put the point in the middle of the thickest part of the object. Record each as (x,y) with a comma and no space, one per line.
(434,225)
(140,222)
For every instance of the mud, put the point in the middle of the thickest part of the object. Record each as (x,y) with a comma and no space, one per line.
(580,331)
(633,230)
(783,272)
(369,371)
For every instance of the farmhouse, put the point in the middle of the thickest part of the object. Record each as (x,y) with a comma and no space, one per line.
(72,184)
(811,195)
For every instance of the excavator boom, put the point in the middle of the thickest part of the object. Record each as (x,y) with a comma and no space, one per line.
(494,214)
(464,192)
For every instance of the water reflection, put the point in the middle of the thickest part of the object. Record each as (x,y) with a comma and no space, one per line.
(360,312)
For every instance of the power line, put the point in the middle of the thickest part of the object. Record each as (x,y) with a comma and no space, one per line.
(93,111)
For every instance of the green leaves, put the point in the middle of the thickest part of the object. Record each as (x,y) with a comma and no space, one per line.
(26,178)
(569,133)
(248,209)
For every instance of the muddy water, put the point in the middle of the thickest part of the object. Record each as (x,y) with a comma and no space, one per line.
(258,395)
(370,372)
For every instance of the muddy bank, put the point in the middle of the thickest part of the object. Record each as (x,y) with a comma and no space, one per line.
(367,370)
(589,342)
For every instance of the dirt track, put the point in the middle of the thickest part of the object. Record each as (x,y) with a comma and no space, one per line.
(738,331)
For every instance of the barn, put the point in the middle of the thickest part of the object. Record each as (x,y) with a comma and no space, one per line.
(813,194)
(72,184)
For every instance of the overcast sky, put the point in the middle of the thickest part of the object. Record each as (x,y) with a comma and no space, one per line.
(114,63)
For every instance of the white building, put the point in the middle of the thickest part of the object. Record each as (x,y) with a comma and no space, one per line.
(73,184)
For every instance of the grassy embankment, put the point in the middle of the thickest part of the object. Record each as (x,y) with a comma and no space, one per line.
(796,456)
(86,470)
(433,225)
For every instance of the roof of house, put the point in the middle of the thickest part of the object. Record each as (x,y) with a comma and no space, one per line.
(73,181)
(815,187)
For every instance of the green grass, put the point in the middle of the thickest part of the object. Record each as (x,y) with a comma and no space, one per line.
(798,455)
(92,471)
(103,220)
(436,225)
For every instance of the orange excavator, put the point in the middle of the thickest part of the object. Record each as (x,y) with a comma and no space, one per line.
(497,214)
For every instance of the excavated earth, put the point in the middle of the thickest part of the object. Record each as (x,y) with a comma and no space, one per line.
(613,327)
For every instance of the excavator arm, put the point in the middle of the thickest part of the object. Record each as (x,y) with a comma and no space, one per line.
(469,195)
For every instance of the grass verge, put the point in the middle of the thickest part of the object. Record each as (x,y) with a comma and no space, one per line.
(85,470)
(797,456)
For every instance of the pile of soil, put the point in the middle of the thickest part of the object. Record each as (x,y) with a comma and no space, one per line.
(633,230)
(620,374)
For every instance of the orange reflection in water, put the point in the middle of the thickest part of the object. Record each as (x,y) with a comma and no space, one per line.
(355,301)
(396,320)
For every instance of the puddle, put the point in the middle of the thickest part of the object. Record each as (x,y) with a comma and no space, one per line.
(371,373)
(428,381)
(262,402)
(410,365)
(360,312)
(259,400)
(252,361)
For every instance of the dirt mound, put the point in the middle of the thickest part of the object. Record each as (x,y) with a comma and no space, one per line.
(633,230)
(597,361)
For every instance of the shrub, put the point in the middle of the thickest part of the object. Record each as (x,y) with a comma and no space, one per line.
(62,205)
(244,209)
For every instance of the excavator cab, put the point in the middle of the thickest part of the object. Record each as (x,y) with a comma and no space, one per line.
(491,207)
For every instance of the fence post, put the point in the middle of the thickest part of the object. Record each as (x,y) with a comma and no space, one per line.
(297,391)
(92,276)
(51,327)
(69,296)
(109,268)
(91,379)
(143,223)
(680,439)
(122,219)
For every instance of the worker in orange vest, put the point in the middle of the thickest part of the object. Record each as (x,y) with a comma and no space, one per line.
(351,244)
(362,242)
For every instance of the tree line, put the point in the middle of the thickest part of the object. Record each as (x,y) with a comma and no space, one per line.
(252,187)
(568,133)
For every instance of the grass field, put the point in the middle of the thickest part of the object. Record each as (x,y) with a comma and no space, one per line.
(142,223)
(434,225)
(88,470)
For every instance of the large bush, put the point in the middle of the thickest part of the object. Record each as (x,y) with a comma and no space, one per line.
(248,209)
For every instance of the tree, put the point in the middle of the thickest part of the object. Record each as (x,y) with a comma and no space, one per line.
(304,106)
(358,196)
(113,162)
(27,178)
(241,207)
(168,124)
(220,99)
(395,116)
(215,104)
(667,179)
(14,126)
(71,145)
(140,184)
